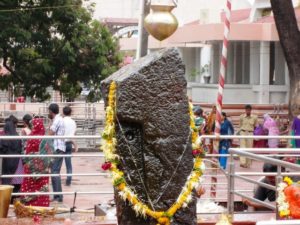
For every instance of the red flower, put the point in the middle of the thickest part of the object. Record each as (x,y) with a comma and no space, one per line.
(195,152)
(106,165)
(36,219)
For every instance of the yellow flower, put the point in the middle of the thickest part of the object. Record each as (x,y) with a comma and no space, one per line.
(164,220)
(121,186)
(284,213)
(288,180)
(225,220)
(173,209)
(109,143)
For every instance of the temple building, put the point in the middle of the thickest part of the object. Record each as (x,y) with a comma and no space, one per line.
(257,71)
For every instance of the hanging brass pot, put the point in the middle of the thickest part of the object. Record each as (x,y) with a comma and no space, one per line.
(161,23)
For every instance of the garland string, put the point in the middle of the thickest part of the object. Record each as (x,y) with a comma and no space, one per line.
(109,144)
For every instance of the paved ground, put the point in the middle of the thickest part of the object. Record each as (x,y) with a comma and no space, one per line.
(84,165)
(103,184)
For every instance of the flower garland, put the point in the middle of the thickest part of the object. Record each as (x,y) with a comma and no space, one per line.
(288,205)
(225,220)
(109,143)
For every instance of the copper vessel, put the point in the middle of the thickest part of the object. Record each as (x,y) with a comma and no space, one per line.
(5,197)
(161,23)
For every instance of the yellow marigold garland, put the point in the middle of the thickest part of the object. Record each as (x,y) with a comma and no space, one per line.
(283,204)
(109,148)
(224,220)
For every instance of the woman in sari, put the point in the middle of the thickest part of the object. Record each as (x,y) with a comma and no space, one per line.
(271,126)
(226,129)
(209,128)
(37,166)
(199,120)
(260,131)
(296,131)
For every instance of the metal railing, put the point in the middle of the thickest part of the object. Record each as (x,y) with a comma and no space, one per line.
(252,154)
(230,174)
(89,116)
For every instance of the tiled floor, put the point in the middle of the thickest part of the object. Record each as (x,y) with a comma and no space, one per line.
(103,183)
(84,165)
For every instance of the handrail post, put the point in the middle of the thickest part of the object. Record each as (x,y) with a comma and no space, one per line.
(278,181)
(94,124)
(1,161)
(230,191)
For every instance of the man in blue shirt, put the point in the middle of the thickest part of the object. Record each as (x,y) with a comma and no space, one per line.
(57,129)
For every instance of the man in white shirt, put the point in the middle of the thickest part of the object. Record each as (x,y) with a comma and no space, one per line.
(57,129)
(70,130)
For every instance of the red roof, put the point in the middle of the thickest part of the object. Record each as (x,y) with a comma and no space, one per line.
(270,19)
(192,22)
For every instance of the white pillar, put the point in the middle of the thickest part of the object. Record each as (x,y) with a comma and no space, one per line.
(264,96)
(198,64)
(215,66)
(205,56)
(254,62)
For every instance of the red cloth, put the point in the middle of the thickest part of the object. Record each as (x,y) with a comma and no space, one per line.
(260,143)
(35,184)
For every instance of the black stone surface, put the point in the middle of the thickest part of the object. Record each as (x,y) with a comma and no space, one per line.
(153,134)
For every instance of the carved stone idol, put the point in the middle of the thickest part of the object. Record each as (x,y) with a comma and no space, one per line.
(153,135)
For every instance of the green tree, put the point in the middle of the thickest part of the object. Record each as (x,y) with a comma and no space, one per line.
(54,43)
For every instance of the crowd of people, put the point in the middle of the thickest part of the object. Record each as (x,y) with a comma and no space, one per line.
(249,124)
(205,123)
(64,125)
(34,126)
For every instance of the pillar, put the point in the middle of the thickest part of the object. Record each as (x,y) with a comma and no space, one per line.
(205,56)
(264,95)
(254,62)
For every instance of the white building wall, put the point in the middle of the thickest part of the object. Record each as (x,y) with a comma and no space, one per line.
(256,86)
(248,75)
(206,11)
(233,93)
(116,8)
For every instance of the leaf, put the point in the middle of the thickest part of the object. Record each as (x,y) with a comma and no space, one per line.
(62,48)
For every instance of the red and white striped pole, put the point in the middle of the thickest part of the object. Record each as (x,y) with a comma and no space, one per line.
(223,67)
(219,102)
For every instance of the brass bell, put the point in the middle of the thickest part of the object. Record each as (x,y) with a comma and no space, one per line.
(161,23)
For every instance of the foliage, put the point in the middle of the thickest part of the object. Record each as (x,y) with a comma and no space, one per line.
(54,43)
(203,71)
